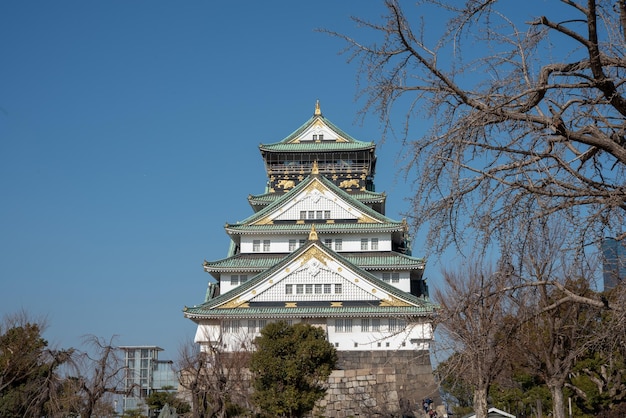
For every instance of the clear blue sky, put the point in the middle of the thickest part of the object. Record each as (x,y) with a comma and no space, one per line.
(129,135)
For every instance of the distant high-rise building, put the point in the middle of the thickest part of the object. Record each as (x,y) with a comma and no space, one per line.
(145,373)
(614,262)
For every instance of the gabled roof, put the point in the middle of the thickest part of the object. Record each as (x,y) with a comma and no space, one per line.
(300,140)
(246,299)
(312,182)
(256,262)
(364,196)
(492,413)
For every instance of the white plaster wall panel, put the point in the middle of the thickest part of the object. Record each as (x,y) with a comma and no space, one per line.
(303,277)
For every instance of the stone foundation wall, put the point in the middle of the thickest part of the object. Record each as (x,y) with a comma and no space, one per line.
(379,383)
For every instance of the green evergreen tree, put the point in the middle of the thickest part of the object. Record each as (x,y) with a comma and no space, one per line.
(291,365)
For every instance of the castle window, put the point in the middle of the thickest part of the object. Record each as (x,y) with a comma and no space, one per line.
(236,279)
(396,325)
(262,323)
(328,242)
(266,245)
(320,136)
(386,277)
(299,289)
(318,289)
(288,289)
(251,325)
(292,244)
(303,214)
(365,325)
(314,137)
(338,244)
(364,244)
(256,245)
(395,277)
(311,214)
(376,324)
(374,244)
(338,288)
(326,214)
(343,325)
(301,242)
(319,214)
(327,288)
(308,289)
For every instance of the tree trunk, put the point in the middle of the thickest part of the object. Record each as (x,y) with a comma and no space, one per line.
(558,405)
(480,402)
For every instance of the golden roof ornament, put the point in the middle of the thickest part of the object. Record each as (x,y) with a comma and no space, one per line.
(318,111)
(313,234)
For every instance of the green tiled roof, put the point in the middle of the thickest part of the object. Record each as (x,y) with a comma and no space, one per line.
(426,308)
(319,227)
(362,196)
(210,305)
(252,262)
(284,198)
(318,146)
(328,123)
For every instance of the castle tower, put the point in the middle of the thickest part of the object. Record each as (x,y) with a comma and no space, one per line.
(319,249)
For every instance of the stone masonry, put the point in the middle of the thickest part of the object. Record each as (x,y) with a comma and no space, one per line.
(379,383)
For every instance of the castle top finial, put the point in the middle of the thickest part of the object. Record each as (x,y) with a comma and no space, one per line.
(313,234)
(318,111)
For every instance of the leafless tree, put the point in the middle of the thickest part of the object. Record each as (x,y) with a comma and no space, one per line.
(556,329)
(476,322)
(96,375)
(214,381)
(527,115)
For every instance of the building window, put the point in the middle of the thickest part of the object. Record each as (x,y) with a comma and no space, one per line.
(338,288)
(327,288)
(292,244)
(376,324)
(374,244)
(256,245)
(318,289)
(314,137)
(308,289)
(338,244)
(262,323)
(396,325)
(391,277)
(363,244)
(266,245)
(311,214)
(365,325)
(320,136)
(326,214)
(299,289)
(303,214)
(343,325)
(236,279)
(319,214)
(251,325)
(288,289)
(328,242)
(231,326)
(301,242)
